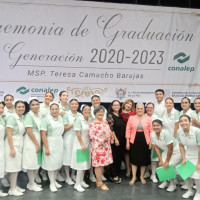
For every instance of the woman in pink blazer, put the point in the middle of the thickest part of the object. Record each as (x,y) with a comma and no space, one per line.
(138,130)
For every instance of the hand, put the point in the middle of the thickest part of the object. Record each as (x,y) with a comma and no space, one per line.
(183,162)
(37,148)
(12,153)
(128,146)
(82,148)
(198,167)
(160,163)
(150,145)
(116,142)
(62,113)
(70,126)
(107,138)
(166,164)
(47,152)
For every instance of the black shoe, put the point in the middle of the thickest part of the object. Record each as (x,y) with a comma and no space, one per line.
(117,181)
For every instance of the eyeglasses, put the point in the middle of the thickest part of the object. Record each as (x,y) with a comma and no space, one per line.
(149,107)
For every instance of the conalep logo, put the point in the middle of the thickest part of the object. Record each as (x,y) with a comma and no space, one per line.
(181,58)
(23,90)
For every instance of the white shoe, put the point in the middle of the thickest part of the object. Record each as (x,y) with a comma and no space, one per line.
(188,194)
(38,179)
(20,189)
(84,184)
(44,175)
(154,179)
(79,188)
(15,192)
(197,196)
(171,188)
(38,185)
(69,181)
(147,175)
(35,188)
(53,188)
(60,178)
(184,187)
(2,194)
(103,178)
(93,179)
(5,182)
(163,185)
(73,177)
(57,185)
(195,187)
(28,185)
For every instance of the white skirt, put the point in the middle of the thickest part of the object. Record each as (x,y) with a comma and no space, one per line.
(83,165)
(13,164)
(30,157)
(68,138)
(175,159)
(53,161)
(195,175)
(2,159)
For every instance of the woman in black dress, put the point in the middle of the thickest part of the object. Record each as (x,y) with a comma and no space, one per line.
(118,127)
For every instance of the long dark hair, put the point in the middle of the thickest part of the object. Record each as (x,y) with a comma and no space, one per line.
(110,110)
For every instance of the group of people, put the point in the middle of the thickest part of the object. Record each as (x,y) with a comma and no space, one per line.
(56,131)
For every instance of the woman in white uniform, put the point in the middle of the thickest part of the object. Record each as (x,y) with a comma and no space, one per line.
(189,143)
(69,118)
(9,107)
(45,106)
(8,110)
(32,143)
(52,129)
(63,105)
(197,110)
(2,136)
(170,117)
(14,145)
(154,161)
(162,139)
(186,106)
(44,111)
(82,141)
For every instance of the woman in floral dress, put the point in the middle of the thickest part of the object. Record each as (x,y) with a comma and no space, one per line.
(101,153)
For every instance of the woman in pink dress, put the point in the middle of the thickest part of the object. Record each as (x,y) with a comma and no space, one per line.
(101,153)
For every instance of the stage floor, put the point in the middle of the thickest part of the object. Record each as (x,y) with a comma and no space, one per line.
(121,191)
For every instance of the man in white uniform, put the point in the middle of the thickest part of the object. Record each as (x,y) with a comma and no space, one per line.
(160,104)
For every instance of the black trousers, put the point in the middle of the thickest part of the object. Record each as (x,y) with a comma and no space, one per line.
(118,154)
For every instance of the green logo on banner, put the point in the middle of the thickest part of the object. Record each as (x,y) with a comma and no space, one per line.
(181,57)
(22,90)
